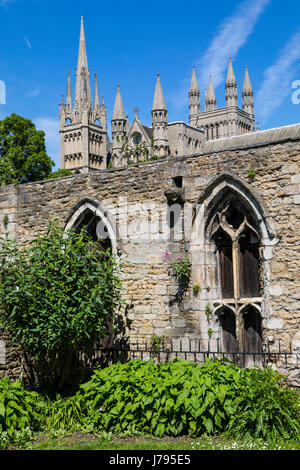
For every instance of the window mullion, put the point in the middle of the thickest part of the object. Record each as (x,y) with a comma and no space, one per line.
(235,267)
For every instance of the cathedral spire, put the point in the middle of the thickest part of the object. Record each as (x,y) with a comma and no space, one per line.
(158,100)
(69,97)
(247,84)
(210,98)
(118,112)
(96,97)
(160,122)
(231,86)
(83,96)
(247,94)
(194,82)
(194,99)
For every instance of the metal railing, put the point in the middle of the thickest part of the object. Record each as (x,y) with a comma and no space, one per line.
(195,351)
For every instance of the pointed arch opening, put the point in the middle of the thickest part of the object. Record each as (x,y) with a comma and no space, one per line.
(232,227)
(252,330)
(92,216)
(231,246)
(227,322)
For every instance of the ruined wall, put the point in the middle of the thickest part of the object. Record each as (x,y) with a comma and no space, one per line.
(141,193)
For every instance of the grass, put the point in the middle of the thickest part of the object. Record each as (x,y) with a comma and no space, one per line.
(79,441)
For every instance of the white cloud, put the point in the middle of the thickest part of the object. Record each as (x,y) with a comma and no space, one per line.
(28,44)
(34,92)
(51,128)
(277,84)
(231,35)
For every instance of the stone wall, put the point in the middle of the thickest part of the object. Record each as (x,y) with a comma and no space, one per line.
(126,197)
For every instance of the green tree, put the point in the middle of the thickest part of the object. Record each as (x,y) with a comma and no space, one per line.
(23,156)
(58,296)
(59,173)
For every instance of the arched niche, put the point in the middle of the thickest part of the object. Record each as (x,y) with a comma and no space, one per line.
(227,322)
(96,219)
(251,329)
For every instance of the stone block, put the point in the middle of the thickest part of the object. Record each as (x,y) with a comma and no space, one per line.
(292,189)
(276,290)
(296,199)
(275,324)
(2,352)
(295,179)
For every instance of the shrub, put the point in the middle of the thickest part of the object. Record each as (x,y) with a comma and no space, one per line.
(57,297)
(183,398)
(265,407)
(177,398)
(21,412)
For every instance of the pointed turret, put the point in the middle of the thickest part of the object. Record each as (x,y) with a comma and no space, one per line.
(158,100)
(210,98)
(118,129)
(69,97)
(247,94)
(231,86)
(83,97)
(194,99)
(160,122)
(118,112)
(194,81)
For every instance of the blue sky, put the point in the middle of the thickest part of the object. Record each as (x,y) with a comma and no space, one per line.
(129,42)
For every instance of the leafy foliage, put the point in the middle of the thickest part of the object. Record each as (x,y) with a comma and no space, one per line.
(266,408)
(19,409)
(182,398)
(178,398)
(181,268)
(161,399)
(156,342)
(23,154)
(59,173)
(58,297)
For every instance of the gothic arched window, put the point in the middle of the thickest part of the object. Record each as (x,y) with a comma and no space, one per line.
(236,238)
(252,331)
(228,325)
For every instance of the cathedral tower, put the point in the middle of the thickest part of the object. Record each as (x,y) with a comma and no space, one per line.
(83,133)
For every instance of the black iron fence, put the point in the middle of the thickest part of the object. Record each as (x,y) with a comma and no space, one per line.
(195,351)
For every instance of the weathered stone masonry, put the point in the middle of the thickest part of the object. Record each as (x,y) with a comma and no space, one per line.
(218,172)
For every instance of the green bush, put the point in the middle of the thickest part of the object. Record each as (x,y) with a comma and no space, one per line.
(182,398)
(21,412)
(177,398)
(58,296)
(266,407)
